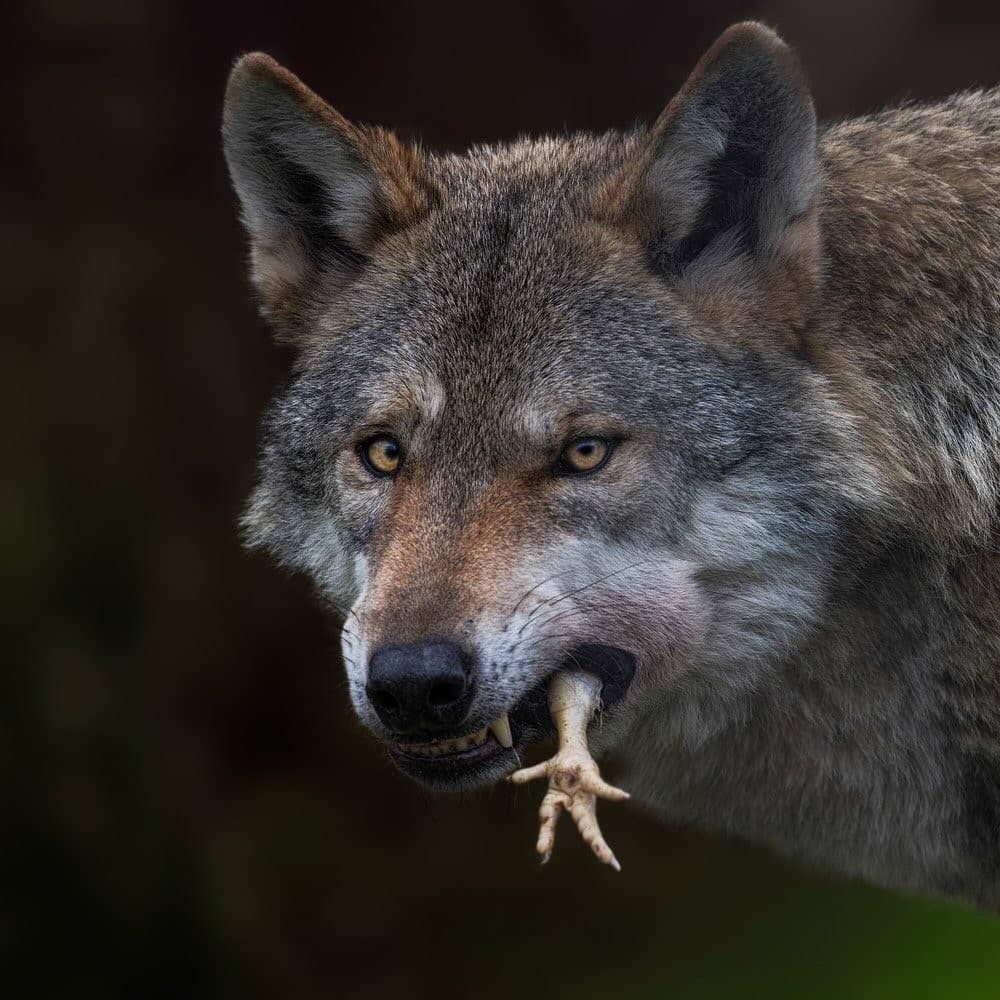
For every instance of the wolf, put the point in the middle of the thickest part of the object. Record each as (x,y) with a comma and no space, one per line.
(708,409)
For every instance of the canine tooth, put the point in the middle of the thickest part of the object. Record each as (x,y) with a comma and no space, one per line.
(501,730)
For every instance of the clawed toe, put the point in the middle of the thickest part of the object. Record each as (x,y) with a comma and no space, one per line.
(575,785)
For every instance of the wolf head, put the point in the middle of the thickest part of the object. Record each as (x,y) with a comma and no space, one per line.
(553,406)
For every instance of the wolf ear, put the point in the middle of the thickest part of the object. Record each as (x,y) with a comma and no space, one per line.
(729,173)
(317,193)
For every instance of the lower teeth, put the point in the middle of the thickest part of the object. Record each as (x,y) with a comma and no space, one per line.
(437,748)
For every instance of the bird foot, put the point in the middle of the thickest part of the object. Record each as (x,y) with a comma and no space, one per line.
(575,782)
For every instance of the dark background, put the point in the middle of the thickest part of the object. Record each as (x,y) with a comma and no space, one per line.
(189,808)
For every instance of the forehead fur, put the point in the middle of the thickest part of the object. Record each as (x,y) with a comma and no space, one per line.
(510,277)
(566,169)
(507,220)
(506,299)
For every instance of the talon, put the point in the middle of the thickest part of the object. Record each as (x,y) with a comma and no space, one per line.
(575,781)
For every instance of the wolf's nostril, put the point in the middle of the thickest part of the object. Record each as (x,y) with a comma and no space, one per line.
(420,686)
(384,701)
(445,692)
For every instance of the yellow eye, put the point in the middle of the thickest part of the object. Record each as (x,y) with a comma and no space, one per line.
(382,454)
(584,455)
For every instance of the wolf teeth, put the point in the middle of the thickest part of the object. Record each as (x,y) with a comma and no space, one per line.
(437,748)
(500,728)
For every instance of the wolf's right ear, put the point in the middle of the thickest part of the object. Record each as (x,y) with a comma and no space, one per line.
(317,192)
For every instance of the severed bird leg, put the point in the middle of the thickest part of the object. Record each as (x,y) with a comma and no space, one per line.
(575,783)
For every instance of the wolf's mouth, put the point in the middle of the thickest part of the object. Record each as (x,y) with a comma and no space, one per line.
(499,729)
(472,759)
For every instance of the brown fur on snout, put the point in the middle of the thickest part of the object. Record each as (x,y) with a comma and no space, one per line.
(434,572)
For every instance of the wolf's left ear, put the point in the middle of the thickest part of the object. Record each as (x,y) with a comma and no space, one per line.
(728,177)
(318,193)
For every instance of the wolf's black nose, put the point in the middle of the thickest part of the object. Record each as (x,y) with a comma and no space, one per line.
(420,686)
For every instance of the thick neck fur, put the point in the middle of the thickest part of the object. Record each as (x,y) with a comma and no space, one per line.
(851,754)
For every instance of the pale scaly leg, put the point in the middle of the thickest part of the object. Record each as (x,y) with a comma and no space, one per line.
(575,782)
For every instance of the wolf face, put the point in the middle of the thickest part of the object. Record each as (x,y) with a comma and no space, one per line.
(552,407)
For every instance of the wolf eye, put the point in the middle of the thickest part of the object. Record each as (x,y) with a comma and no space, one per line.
(382,454)
(584,455)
